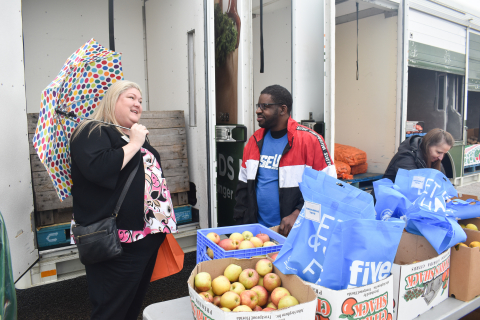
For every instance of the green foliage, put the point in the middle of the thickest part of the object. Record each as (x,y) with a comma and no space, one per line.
(225,36)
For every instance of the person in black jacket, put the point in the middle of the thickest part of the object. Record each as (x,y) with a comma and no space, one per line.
(421,152)
(102,158)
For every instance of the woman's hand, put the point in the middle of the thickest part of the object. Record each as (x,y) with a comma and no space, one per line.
(138,133)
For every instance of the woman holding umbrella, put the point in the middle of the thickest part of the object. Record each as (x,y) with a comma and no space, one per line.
(102,158)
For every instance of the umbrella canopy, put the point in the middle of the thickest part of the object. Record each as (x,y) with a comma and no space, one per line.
(78,88)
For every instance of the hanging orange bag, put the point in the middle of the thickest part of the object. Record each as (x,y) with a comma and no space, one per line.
(169,259)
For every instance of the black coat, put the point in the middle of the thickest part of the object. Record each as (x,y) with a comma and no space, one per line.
(408,157)
(98,180)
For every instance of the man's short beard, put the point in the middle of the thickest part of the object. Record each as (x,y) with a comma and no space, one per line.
(267,124)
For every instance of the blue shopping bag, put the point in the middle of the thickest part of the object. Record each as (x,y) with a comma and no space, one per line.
(415,183)
(327,201)
(429,215)
(360,252)
(391,203)
(442,231)
(464,209)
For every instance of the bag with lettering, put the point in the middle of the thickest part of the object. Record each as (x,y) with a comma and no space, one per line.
(327,200)
(391,203)
(413,183)
(361,252)
(429,216)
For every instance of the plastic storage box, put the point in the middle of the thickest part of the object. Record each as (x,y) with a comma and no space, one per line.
(183,214)
(218,253)
(53,235)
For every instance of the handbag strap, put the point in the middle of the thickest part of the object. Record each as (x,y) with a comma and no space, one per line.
(124,191)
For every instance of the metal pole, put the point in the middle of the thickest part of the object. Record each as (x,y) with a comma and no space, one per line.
(111,23)
(207,113)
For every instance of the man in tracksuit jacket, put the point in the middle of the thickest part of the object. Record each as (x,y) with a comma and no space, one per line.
(273,163)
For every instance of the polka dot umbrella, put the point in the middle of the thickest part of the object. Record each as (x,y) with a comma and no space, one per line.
(71,97)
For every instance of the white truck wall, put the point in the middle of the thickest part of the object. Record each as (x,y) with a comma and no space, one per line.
(167,26)
(277,48)
(16,201)
(54,29)
(366,109)
(436,32)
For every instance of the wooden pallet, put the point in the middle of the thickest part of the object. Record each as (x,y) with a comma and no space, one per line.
(167,135)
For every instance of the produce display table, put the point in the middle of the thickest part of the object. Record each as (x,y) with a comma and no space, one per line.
(450,309)
(364,181)
(180,309)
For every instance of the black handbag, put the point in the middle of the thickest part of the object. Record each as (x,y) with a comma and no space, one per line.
(99,241)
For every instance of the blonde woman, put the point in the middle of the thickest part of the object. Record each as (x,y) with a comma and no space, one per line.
(102,158)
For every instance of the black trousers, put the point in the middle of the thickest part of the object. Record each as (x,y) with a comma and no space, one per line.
(117,287)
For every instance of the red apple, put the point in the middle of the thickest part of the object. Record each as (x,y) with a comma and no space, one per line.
(228,244)
(203,281)
(269,309)
(260,281)
(249,298)
(216,301)
(258,308)
(210,253)
(206,296)
(271,281)
(245,244)
(220,285)
(232,272)
(237,236)
(213,237)
(256,242)
(262,294)
(264,237)
(230,300)
(242,309)
(287,301)
(277,294)
(249,278)
(263,267)
(247,235)
(274,256)
(271,305)
(237,287)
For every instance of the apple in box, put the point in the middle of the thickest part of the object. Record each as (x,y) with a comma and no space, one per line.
(254,299)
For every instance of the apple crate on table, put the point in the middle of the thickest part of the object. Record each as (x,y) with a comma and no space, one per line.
(203,243)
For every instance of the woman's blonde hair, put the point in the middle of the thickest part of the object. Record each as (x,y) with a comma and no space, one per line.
(105,111)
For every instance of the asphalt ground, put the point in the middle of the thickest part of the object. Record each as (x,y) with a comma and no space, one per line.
(68,300)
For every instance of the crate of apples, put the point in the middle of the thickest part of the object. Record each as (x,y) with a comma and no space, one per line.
(256,241)
(233,285)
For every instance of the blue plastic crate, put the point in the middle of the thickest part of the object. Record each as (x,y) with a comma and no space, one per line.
(183,214)
(218,253)
(53,235)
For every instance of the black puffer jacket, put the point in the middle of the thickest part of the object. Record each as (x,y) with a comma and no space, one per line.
(408,157)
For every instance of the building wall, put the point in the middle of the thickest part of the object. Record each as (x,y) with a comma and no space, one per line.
(365,109)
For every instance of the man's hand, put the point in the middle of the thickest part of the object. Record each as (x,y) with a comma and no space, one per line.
(287,223)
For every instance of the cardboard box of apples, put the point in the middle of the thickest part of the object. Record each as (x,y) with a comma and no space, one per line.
(245,241)
(221,288)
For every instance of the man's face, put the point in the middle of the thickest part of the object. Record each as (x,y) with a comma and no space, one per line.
(269,117)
